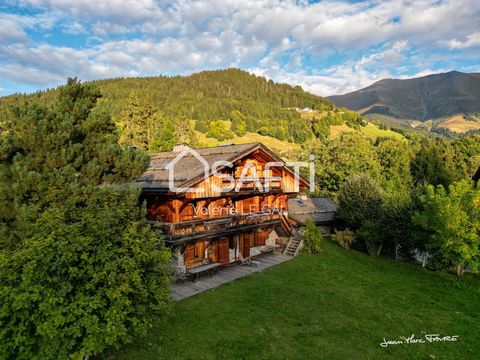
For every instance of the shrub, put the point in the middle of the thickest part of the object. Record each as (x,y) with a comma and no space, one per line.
(371,233)
(344,238)
(313,238)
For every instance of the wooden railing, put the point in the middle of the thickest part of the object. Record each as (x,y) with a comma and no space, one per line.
(247,184)
(198,227)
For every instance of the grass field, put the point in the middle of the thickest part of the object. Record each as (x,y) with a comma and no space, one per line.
(277,145)
(458,124)
(370,130)
(337,305)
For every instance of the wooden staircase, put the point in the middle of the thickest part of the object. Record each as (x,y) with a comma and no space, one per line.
(284,229)
(294,245)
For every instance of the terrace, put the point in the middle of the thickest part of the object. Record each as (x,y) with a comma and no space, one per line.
(219,226)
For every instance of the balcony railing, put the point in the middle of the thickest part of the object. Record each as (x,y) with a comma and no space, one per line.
(224,224)
(251,184)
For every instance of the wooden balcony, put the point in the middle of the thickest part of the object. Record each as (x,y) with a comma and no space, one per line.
(251,184)
(217,226)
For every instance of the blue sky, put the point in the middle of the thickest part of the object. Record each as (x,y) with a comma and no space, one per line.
(327,47)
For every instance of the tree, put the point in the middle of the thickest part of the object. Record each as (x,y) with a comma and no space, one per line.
(313,238)
(220,130)
(133,123)
(360,207)
(359,200)
(396,222)
(80,270)
(145,128)
(395,157)
(451,221)
(337,159)
(433,164)
(239,125)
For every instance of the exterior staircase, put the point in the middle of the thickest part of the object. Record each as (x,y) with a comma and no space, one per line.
(284,229)
(294,245)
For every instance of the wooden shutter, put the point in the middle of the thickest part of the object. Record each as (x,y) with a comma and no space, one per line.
(200,247)
(260,238)
(189,255)
(213,251)
(223,251)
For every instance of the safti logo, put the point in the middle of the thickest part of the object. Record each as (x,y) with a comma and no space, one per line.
(249,175)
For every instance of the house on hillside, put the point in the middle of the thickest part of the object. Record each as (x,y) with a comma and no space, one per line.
(320,210)
(219,217)
(476,177)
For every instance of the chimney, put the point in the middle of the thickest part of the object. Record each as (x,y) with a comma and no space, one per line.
(180,147)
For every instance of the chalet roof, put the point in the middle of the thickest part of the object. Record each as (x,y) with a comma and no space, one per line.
(189,169)
(320,210)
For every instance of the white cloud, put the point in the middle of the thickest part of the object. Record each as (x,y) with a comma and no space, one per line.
(470,41)
(345,77)
(11,31)
(328,47)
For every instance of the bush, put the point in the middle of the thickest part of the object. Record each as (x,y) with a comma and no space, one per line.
(313,238)
(344,238)
(371,233)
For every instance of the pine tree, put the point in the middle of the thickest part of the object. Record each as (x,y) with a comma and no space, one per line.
(80,270)
(133,123)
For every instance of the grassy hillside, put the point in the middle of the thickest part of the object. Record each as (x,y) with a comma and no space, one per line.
(281,147)
(337,305)
(370,130)
(459,124)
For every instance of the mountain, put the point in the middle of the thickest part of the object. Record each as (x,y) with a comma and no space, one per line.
(424,98)
(205,95)
(221,105)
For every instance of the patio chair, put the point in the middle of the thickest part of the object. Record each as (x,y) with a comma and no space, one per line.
(248,261)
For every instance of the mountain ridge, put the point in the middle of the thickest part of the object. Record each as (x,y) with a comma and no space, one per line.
(424,98)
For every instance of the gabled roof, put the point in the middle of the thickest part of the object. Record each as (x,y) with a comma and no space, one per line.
(189,170)
(320,210)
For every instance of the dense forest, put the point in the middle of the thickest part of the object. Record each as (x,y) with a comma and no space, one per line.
(218,103)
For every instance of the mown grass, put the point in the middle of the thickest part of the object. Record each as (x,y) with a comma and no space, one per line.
(337,305)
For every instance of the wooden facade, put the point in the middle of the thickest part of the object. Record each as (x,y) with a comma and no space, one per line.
(221,217)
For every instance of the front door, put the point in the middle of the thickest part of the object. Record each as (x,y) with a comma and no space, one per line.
(223,251)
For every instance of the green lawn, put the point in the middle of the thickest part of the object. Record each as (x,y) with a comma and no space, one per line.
(338,305)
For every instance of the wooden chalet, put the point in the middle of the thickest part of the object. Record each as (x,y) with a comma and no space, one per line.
(220,227)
